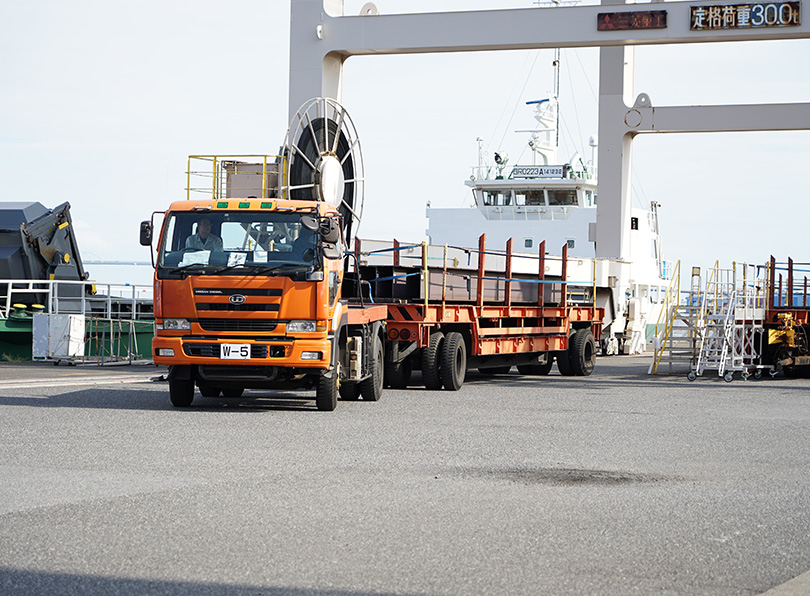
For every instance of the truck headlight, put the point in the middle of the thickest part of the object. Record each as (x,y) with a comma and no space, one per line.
(175,324)
(301,327)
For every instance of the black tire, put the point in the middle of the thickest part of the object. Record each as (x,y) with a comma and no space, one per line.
(454,361)
(495,370)
(371,388)
(564,361)
(349,391)
(582,353)
(233,391)
(537,370)
(398,374)
(430,361)
(181,392)
(326,392)
(207,390)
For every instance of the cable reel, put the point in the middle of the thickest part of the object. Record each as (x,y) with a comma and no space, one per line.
(324,161)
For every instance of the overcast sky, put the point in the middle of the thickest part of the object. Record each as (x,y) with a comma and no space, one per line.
(101,103)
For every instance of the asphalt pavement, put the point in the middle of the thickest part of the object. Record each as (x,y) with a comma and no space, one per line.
(618,483)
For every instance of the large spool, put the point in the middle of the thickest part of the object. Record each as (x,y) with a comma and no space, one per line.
(324,161)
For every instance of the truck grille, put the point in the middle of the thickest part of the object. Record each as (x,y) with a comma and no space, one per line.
(231,307)
(212,350)
(238,324)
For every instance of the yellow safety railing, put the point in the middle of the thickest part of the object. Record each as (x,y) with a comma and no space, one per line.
(666,318)
(238,176)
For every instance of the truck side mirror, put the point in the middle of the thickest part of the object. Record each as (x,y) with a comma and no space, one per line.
(146,233)
(330,230)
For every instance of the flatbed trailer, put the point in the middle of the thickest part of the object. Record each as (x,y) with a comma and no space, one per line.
(506,320)
(787,322)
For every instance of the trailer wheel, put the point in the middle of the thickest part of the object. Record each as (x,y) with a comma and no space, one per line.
(398,374)
(233,391)
(349,391)
(371,388)
(496,370)
(454,361)
(564,363)
(181,392)
(537,369)
(326,392)
(582,353)
(430,361)
(207,390)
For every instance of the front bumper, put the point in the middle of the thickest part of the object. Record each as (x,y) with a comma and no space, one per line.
(205,351)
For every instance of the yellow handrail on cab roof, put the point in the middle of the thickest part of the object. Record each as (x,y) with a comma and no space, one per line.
(212,176)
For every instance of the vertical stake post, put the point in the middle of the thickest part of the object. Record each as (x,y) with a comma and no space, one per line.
(479,289)
(425,275)
(508,287)
(564,298)
(790,282)
(541,276)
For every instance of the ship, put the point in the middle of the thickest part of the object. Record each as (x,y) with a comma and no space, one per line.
(552,200)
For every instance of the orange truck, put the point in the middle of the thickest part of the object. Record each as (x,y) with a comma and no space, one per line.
(247,295)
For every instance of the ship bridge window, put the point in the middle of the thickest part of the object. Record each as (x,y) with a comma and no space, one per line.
(529,197)
(590,198)
(497,198)
(562,197)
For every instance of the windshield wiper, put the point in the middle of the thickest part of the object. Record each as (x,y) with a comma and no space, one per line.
(185,267)
(282,268)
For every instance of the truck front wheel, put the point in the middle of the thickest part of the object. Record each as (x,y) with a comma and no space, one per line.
(181,392)
(326,392)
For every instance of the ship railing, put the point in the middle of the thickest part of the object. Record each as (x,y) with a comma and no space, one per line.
(112,301)
(505,173)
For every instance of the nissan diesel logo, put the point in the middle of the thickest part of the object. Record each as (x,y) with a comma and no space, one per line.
(237,299)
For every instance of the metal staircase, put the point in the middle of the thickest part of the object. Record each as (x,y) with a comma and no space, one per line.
(729,326)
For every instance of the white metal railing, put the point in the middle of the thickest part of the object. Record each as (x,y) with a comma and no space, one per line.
(112,301)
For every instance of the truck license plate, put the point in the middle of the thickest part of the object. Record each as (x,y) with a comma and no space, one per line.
(234,351)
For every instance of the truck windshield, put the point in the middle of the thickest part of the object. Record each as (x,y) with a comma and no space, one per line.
(230,243)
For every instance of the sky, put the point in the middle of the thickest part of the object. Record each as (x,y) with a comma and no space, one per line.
(101,103)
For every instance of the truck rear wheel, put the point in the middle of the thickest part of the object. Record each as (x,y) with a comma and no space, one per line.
(181,392)
(349,391)
(371,388)
(582,353)
(430,361)
(454,361)
(398,374)
(326,392)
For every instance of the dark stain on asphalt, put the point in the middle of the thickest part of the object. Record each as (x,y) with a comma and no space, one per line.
(566,476)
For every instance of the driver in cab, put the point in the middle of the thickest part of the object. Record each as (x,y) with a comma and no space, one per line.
(204,239)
